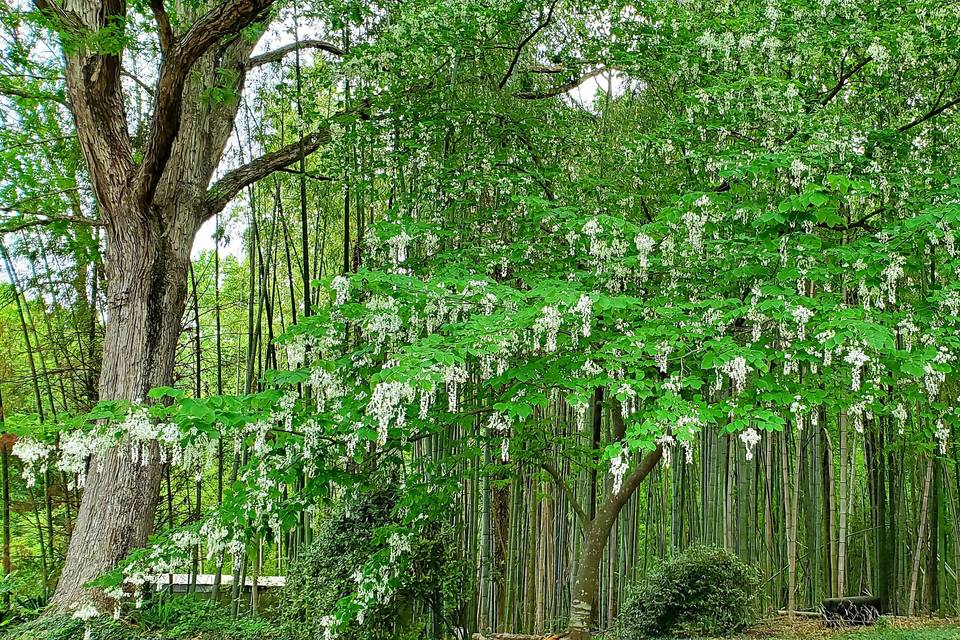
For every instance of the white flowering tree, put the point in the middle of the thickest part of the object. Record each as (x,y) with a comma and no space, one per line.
(753,233)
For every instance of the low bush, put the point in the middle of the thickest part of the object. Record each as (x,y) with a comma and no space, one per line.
(703,591)
(430,595)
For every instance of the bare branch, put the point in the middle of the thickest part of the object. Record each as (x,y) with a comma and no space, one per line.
(843,81)
(164,30)
(523,43)
(226,18)
(547,68)
(277,54)
(561,89)
(224,189)
(39,219)
(29,95)
(136,80)
(929,114)
(563,486)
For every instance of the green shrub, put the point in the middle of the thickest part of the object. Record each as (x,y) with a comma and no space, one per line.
(432,588)
(702,591)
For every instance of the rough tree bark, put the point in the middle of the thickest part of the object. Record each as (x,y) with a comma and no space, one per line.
(152,209)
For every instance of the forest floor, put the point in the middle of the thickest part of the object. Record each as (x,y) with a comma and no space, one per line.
(899,628)
(206,628)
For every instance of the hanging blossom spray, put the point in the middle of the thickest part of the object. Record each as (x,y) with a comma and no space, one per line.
(750,439)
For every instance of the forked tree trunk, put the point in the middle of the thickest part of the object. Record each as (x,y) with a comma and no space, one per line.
(596,533)
(153,201)
(146,294)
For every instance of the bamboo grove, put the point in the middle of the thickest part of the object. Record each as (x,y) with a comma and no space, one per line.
(588,282)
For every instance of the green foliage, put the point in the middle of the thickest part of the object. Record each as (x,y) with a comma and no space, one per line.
(66,628)
(180,617)
(704,590)
(198,617)
(326,573)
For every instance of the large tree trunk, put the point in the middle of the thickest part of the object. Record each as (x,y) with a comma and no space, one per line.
(153,202)
(585,584)
(146,296)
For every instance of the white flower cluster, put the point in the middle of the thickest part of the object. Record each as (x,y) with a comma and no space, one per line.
(388,404)
(546,328)
(892,274)
(341,288)
(666,442)
(35,457)
(695,222)
(399,546)
(942,434)
(857,359)
(801,315)
(500,423)
(373,590)
(454,377)
(618,468)
(384,320)
(663,352)
(583,309)
(645,245)
(860,411)
(602,249)
(900,413)
(932,378)
(326,387)
(296,351)
(76,447)
(750,439)
(737,370)
(951,302)
(398,245)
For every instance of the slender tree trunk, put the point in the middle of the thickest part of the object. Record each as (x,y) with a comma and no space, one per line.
(921,535)
(5,452)
(842,504)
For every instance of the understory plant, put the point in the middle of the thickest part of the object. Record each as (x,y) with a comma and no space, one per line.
(705,590)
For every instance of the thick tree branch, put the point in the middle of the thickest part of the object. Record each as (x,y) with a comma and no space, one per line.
(278,54)
(164,30)
(565,488)
(68,20)
(226,18)
(560,89)
(634,480)
(224,189)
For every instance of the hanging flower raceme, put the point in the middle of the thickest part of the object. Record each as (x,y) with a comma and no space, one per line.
(857,359)
(618,468)
(750,439)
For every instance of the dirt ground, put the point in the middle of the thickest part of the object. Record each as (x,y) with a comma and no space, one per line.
(892,628)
